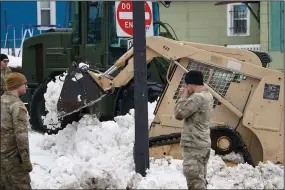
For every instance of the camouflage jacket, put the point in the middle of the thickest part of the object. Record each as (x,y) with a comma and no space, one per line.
(195,111)
(14,129)
(4,73)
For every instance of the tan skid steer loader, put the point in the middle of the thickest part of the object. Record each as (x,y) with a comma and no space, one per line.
(248,109)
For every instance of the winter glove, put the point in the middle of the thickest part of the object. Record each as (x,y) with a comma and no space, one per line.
(27,165)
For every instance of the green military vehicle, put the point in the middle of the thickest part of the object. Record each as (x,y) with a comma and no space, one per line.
(92,38)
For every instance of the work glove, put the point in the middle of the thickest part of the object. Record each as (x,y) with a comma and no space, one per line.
(27,165)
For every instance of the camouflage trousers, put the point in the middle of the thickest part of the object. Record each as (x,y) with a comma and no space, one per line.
(13,176)
(195,167)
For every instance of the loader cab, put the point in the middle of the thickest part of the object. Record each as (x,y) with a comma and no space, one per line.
(94,38)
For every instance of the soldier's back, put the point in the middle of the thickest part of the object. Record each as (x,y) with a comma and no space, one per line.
(196,131)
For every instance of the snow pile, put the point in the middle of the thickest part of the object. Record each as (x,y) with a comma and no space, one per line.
(244,176)
(164,173)
(233,157)
(51,97)
(91,154)
(99,155)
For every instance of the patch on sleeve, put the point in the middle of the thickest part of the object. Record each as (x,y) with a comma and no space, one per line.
(23,113)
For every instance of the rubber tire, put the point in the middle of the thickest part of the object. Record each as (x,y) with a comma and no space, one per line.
(36,103)
(219,131)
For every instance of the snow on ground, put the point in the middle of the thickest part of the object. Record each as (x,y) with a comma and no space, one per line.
(94,154)
(15,61)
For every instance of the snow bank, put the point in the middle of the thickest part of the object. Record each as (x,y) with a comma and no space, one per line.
(91,154)
(99,155)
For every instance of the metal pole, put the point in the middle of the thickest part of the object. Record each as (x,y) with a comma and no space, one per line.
(14,37)
(141,152)
(7,34)
(1,27)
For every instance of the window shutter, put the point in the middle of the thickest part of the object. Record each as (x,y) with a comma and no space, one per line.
(282,25)
(276,26)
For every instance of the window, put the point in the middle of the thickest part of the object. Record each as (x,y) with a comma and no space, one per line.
(114,39)
(75,22)
(238,20)
(46,14)
(94,22)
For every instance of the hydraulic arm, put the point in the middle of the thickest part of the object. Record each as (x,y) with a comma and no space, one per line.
(92,85)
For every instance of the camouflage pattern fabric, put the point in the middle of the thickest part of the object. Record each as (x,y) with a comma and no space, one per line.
(15,153)
(195,110)
(4,73)
(195,167)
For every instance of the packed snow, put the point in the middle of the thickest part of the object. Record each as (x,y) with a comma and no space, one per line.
(51,96)
(99,155)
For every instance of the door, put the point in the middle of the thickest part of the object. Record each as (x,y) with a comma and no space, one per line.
(95,39)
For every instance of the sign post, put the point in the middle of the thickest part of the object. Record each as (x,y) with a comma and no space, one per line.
(141,147)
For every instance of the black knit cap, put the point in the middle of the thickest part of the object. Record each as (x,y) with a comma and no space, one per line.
(194,77)
(3,56)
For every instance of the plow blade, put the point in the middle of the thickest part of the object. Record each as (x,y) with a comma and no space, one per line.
(79,90)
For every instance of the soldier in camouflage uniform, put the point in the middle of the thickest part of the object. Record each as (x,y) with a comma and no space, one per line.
(15,153)
(194,107)
(4,71)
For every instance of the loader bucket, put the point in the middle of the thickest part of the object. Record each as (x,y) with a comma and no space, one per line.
(79,90)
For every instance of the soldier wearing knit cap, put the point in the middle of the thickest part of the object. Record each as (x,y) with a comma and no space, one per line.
(194,107)
(4,71)
(15,153)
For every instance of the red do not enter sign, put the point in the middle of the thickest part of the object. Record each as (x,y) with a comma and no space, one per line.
(124,16)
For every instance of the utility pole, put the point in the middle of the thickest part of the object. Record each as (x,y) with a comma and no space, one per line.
(1,27)
(141,148)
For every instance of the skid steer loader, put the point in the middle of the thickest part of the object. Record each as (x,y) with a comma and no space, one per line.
(248,110)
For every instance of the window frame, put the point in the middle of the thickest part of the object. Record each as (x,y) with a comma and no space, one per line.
(76,27)
(230,17)
(52,10)
(100,12)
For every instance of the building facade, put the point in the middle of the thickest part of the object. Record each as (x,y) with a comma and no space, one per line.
(22,19)
(232,25)
(206,22)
